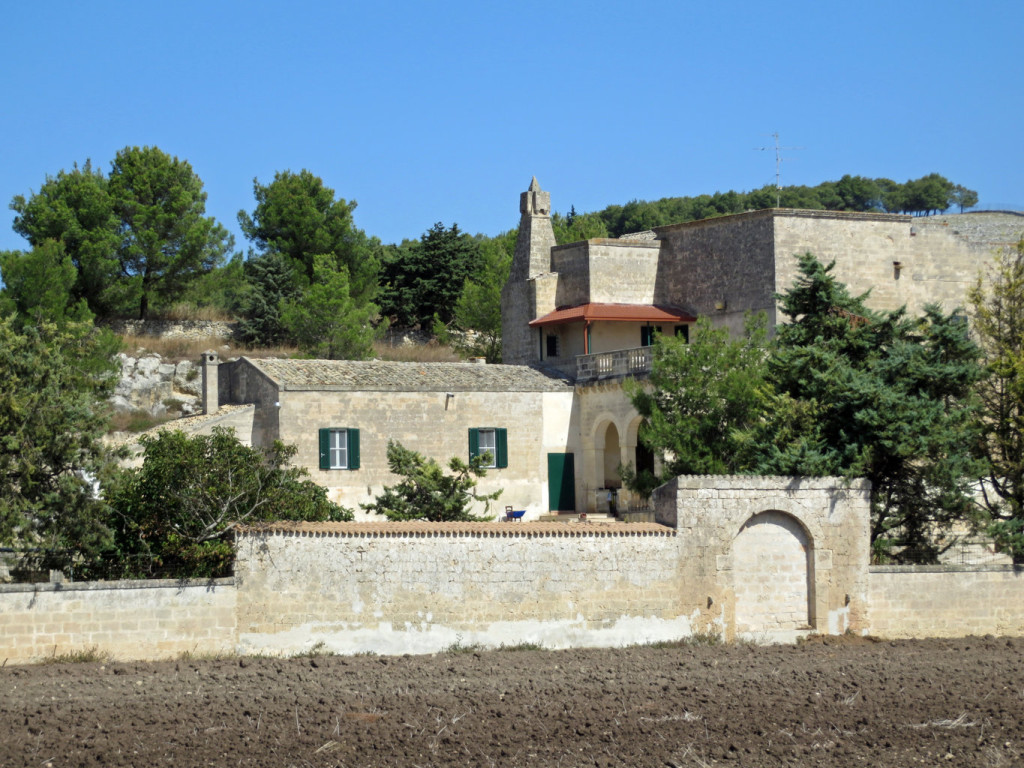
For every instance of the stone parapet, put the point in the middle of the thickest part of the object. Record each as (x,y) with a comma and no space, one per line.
(613,365)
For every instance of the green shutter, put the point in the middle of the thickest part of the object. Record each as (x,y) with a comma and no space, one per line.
(353,448)
(501,446)
(474,442)
(325,449)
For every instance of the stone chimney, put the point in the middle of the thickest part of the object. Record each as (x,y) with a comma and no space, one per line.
(211,394)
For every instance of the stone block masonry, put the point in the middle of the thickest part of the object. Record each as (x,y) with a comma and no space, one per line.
(419,588)
(127,619)
(946,601)
(765,558)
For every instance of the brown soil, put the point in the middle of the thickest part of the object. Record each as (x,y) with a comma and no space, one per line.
(827,703)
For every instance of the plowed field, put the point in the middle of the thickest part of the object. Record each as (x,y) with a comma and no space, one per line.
(840,702)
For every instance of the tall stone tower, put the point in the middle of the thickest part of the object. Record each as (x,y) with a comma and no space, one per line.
(532,260)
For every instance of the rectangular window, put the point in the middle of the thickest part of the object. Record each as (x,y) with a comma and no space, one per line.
(552,350)
(339,448)
(684,332)
(647,333)
(492,441)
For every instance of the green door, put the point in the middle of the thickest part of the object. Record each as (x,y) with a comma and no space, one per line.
(561,482)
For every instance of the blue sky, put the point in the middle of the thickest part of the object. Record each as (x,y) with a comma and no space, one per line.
(442,111)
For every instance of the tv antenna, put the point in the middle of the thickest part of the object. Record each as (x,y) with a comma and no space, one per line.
(778,165)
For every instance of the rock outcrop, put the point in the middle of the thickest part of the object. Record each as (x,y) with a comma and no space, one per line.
(149,384)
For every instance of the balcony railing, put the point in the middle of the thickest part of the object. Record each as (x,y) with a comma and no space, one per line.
(613,365)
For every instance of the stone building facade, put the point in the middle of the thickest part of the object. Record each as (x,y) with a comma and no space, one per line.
(589,311)
(578,320)
(524,415)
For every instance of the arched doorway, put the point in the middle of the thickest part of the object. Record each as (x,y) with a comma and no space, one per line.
(772,574)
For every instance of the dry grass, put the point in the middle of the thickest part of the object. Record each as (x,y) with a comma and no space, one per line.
(186,311)
(84,656)
(137,421)
(416,353)
(175,349)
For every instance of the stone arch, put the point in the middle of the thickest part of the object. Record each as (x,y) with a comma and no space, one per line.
(773,574)
(640,457)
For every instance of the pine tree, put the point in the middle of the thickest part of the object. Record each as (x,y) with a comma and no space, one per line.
(998,315)
(880,396)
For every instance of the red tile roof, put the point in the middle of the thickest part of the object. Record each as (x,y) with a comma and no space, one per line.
(615,313)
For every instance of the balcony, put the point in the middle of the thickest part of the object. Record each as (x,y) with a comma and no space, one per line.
(605,366)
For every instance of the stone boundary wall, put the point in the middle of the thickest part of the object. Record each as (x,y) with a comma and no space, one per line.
(945,601)
(174,329)
(127,619)
(421,588)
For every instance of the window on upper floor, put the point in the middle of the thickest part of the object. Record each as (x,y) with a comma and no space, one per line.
(552,345)
(339,448)
(647,334)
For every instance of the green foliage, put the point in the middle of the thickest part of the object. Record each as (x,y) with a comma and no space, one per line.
(38,284)
(423,279)
(699,399)
(998,318)
(880,396)
(178,510)
(577,226)
(136,239)
(298,217)
(166,239)
(90,655)
(326,322)
(74,209)
(220,289)
(53,383)
(479,306)
(425,492)
(841,391)
(851,193)
(272,281)
(963,197)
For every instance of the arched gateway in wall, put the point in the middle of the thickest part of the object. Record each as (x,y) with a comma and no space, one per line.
(773,579)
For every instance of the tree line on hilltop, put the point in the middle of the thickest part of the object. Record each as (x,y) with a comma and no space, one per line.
(136,242)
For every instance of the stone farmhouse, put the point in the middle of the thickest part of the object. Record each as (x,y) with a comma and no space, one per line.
(578,319)
(765,558)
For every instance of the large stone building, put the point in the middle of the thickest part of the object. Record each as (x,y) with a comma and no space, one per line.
(578,319)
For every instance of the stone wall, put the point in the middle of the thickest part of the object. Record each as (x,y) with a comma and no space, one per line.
(902,261)
(762,558)
(721,267)
(946,601)
(435,425)
(357,587)
(608,429)
(129,620)
(429,422)
(606,271)
(748,543)
(174,329)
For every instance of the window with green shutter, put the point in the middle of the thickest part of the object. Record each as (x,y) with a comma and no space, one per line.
(339,448)
(491,440)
